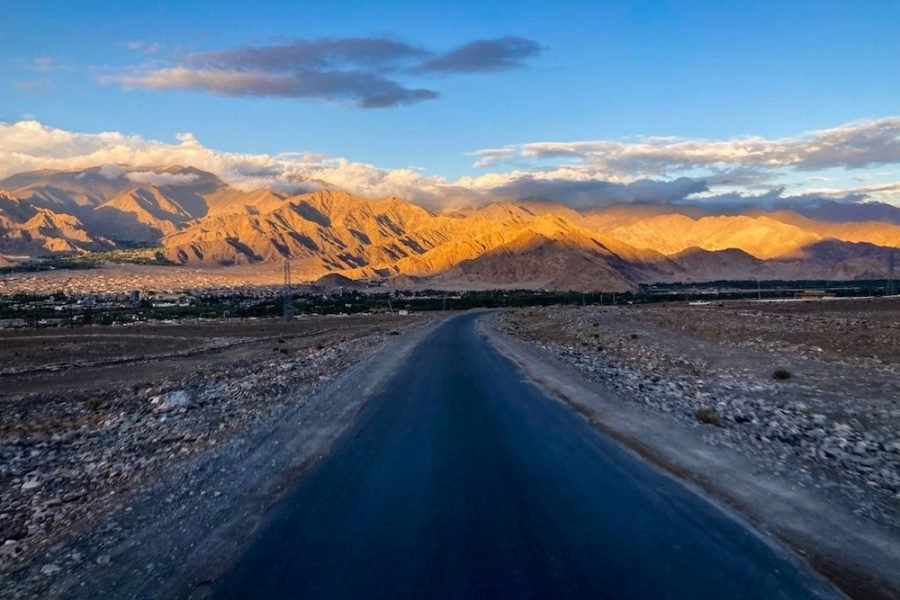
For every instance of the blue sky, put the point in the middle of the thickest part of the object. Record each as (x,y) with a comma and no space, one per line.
(605,71)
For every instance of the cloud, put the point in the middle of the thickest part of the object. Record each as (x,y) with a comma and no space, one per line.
(44,64)
(853,145)
(482,56)
(112,171)
(30,145)
(365,72)
(584,194)
(36,86)
(162,179)
(325,54)
(144,46)
(364,89)
(889,192)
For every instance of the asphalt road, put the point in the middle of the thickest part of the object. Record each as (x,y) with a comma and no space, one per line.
(462,480)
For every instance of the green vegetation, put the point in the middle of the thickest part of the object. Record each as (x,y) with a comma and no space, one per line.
(127,254)
(61,309)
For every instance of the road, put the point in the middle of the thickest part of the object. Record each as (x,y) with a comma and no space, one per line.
(462,480)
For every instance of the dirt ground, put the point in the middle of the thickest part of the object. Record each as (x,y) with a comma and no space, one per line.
(864,331)
(36,361)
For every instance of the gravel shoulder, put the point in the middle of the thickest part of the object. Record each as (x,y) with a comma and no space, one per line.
(153,497)
(641,379)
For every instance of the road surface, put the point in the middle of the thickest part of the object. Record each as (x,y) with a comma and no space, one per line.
(462,480)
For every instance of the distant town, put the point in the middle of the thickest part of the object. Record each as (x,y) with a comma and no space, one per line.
(75,308)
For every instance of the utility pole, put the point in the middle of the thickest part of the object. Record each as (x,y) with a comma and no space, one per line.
(287,292)
(890,286)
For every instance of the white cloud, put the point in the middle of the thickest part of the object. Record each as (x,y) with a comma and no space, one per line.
(144,46)
(888,192)
(30,145)
(852,145)
(112,171)
(162,179)
(44,64)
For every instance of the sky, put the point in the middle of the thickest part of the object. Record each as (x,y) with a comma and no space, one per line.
(580,102)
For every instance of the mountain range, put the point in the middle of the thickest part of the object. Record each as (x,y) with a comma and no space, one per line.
(189,216)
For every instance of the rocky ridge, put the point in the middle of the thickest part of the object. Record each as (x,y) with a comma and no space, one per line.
(191,217)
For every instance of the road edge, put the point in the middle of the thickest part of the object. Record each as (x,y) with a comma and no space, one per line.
(861,559)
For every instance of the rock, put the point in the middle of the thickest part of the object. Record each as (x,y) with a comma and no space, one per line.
(31,484)
(828,451)
(50,569)
(816,434)
(171,400)
(103,559)
(819,420)
(13,529)
(842,429)
(10,549)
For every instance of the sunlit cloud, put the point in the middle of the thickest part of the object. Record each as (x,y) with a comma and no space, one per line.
(370,72)
(853,145)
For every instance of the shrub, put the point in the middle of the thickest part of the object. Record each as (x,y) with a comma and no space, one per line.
(781,374)
(94,404)
(708,416)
